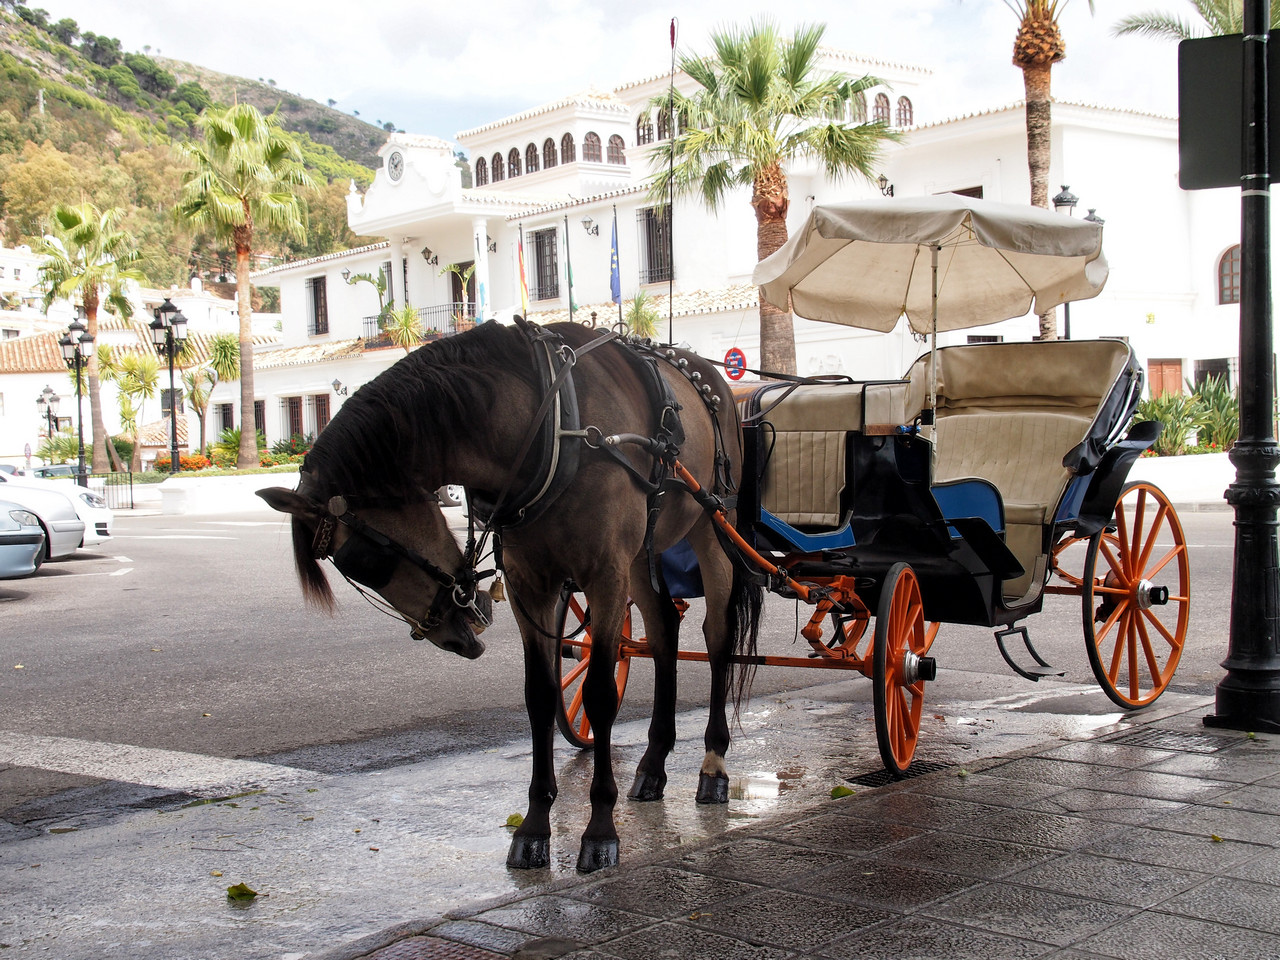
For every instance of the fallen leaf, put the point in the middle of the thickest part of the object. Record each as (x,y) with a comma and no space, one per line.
(962,772)
(307,819)
(155,649)
(515,820)
(698,915)
(357,829)
(1215,838)
(206,714)
(18,666)
(374,849)
(841,791)
(215,873)
(1252,735)
(241,891)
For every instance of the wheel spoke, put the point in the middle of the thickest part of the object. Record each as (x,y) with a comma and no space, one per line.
(1121,615)
(1147,651)
(1164,631)
(1157,525)
(1139,514)
(1177,550)
(1131,651)
(575,673)
(1116,563)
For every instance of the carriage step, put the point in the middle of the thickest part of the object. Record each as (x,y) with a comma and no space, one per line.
(1041,668)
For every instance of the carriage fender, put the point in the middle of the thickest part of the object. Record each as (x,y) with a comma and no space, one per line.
(1109,478)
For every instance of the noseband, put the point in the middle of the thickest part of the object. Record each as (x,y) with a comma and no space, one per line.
(460,590)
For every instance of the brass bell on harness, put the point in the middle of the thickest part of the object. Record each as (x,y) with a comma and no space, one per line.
(497,592)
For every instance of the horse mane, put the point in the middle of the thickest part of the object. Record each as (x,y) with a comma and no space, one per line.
(408,415)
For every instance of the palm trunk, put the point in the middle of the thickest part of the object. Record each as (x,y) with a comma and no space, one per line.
(1035,79)
(98,425)
(248,455)
(777,331)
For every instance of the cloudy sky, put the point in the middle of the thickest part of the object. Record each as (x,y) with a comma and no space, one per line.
(438,68)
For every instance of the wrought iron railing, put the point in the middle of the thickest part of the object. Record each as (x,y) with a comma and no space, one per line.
(115,488)
(440,320)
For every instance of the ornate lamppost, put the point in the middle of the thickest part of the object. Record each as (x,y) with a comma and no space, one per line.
(168,334)
(76,347)
(47,404)
(1065,202)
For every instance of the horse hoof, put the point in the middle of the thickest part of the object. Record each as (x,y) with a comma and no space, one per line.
(647,787)
(712,789)
(596,855)
(529,853)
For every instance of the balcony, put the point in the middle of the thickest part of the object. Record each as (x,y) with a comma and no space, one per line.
(440,320)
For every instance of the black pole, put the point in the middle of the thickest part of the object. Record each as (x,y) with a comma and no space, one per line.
(1248,698)
(80,477)
(673,129)
(173,404)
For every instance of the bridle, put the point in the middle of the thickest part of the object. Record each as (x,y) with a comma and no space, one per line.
(382,554)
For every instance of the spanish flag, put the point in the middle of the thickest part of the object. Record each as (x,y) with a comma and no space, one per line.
(524,285)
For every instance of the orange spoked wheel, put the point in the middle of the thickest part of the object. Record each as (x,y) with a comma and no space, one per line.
(900,667)
(573,621)
(1137,597)
(1068,559)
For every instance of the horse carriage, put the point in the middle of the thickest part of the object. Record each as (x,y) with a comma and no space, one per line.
(613,478)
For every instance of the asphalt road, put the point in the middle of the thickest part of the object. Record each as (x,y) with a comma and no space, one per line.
(189,634)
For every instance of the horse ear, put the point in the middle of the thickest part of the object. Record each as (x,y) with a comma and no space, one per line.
(290,502)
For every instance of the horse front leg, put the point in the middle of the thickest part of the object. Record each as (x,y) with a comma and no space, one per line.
(599,847)
(717,580)
(531,843)
(662,626)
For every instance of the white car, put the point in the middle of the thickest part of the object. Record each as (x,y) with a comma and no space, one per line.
(90,507)
(63,528)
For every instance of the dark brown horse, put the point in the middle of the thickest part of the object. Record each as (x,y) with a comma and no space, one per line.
(470,409)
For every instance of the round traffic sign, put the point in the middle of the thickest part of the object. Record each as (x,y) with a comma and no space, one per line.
(735,363)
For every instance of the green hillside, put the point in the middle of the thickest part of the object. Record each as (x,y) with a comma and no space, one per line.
(82,119)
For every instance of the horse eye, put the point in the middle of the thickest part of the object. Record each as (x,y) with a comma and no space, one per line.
(366,562)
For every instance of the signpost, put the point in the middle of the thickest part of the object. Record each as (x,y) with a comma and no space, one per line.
(735,363)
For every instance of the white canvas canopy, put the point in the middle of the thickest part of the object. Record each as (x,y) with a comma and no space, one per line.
(947,262)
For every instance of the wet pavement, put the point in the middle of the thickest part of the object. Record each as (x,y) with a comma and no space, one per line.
(409,861)
(1151,838)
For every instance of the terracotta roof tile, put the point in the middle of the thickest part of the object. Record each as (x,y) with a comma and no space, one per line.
(309,353)
(157,434)
(38,353)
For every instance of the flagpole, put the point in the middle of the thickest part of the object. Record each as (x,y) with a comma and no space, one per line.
(615,275)
(671,186)
(568,266)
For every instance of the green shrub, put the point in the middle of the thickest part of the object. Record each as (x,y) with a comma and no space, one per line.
(1219,410)
(296,444)
(227,447)
(1179,413)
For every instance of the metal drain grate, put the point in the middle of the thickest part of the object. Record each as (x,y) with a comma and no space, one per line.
(1174,740)
(882,778)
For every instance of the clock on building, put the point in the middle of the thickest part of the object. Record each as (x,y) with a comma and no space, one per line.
(395,165)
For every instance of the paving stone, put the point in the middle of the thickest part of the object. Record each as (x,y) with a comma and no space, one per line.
(919,810)
(1105,806)
(498,939)
(1105,878)
(1255,797)
(1230,900)
(553,915)
(1231,767)
(791,920)
(1034,828)
(1164,848)
(977,857)
(664,891)
(1158,936)
(687,941)
(1064,773)
(1221,821)
(996,791)
(1162,786)
(759,861)
(919,938)
(1263,869)
(890,886)
(1111,754)
(1028,912)
(843,834)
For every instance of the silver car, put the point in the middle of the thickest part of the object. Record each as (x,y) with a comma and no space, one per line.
(21,541)
(63,529)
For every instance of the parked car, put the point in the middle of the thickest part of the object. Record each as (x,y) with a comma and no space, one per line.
(10,469)
(90,506)
(54,470)
(63,528)
(21,541)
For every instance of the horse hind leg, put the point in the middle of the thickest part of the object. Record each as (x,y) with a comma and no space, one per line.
(662,625)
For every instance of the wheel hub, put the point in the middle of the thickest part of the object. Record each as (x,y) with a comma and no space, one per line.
(916,668)
(1149,595)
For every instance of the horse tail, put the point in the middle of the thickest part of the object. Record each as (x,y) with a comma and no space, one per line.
(746,599)
(315,586)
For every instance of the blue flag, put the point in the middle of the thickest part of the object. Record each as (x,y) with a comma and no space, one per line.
(615,281)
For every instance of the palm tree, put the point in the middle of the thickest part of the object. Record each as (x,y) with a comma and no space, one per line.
(88,257)
(763,103)
(198,384)
(641,318)
(247,172)
(1218,18)
(138,379)
(1036,48)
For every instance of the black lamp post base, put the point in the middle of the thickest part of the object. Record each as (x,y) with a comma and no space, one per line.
(1247,708)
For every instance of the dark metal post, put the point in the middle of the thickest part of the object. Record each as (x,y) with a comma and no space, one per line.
(81,478)
(1248,698)
(169,348)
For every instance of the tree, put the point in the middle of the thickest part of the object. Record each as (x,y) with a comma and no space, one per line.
(1217,18)
(246,177)
(763,103)
(198,384)
(379,283)
(138,379)
(641,317)
(88,257)
(66,30)
(1036,48)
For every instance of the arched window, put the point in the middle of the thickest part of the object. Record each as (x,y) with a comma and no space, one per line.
(644,131)
(858,108)
(664,124)
(882,107)
(513,162)
(617,149)
(499,168)
(1229,276)
(482,172)
(903,118)
(531,158)
(548,153)
(567,152)
(591,148)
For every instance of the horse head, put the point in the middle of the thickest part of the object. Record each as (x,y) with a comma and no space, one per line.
(401,550)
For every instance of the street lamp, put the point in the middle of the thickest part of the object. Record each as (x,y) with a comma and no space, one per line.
(47,404)
(168,334)
(1065,202)
(77,348)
